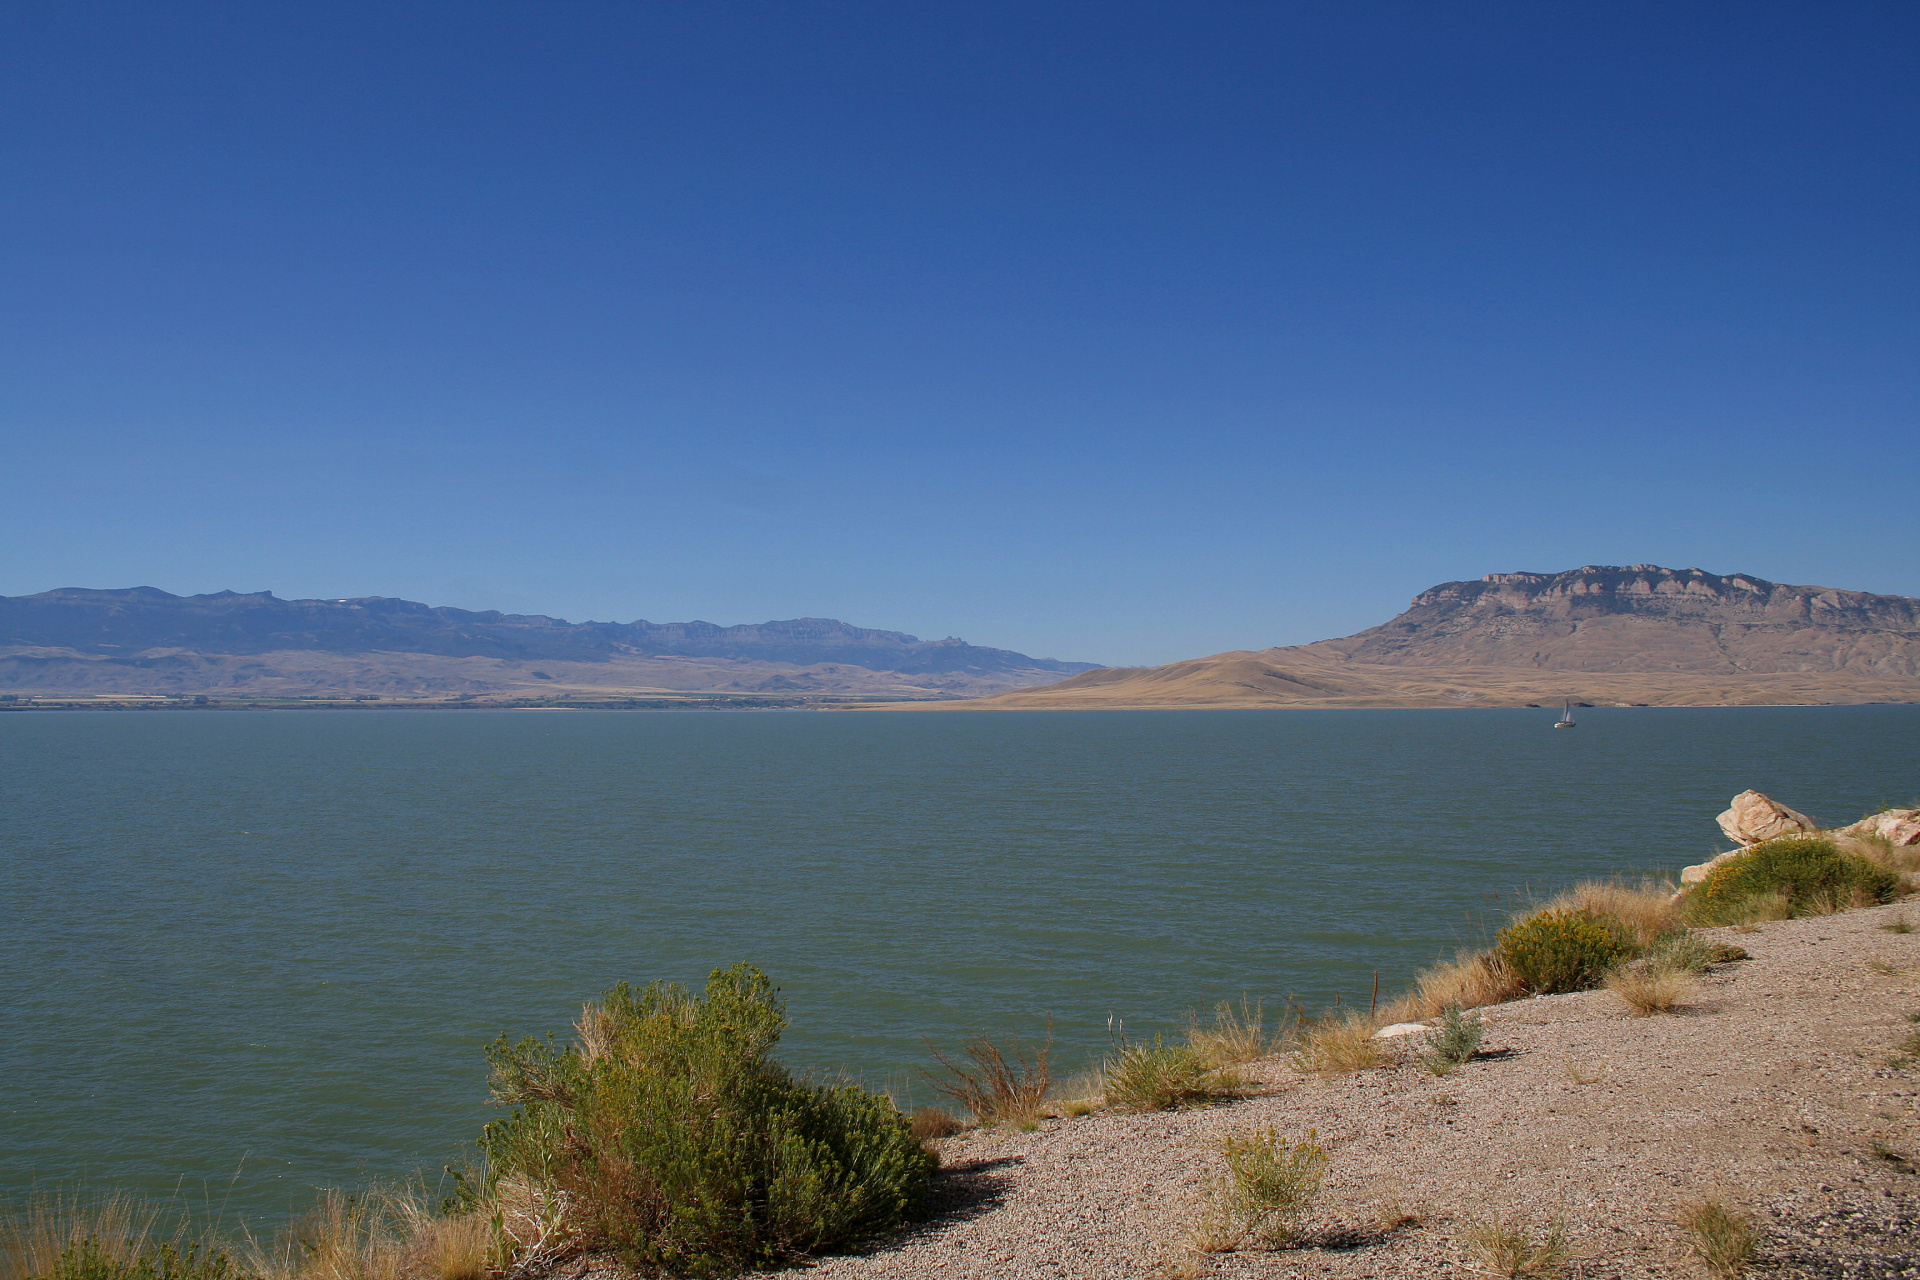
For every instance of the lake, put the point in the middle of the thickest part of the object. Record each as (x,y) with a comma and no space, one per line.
(251,953)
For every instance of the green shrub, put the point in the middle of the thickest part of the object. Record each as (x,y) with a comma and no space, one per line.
(88,1259)
(1812,875)
(1453,1042)
(1161,1077)
(676,1141)
(1560,950)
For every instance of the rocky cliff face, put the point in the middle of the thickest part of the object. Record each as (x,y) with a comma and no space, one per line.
(1643,618)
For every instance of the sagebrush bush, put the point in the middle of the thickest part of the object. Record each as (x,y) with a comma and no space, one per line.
(1561,950)
(1270,1185)
(1812,874)
(676,1141)
(1453,1042)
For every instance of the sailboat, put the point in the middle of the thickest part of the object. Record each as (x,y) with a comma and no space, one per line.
(1566,716)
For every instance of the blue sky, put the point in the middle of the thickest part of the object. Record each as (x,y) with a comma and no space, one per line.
(1118,332)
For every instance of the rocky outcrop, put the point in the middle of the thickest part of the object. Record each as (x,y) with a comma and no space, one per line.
(1752,818)
(1896,826)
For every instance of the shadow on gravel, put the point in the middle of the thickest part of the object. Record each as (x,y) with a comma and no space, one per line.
(1347,1239)
(963,1192)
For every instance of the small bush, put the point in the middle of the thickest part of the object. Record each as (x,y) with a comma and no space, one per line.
(1560,950)
(1340,1044)
(1720,1237)
(671,1136)
(998,1086)
(1453,1042)
(1900,925)
(1812,874)
(1161,1077)
(1270,1185)
(1505,1247)
(1649,988)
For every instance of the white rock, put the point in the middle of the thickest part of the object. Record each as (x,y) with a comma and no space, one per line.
(1400,1029)
(1900,826)
(1752,818)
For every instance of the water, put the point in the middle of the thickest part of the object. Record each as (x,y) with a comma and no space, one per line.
(251,953)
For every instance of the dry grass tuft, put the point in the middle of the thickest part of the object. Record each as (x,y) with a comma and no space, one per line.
(386,1233)
(1471,981)
(390,1233)
(929,1123)
(1579,1072)
(1900,925)
(31,1243)
(466,1247)
(1235,1037)
(1643,912)
(1340,1044)
(1080,1096)
(1720,1237)
(1648,989)
(998,1086)
(1504,1246)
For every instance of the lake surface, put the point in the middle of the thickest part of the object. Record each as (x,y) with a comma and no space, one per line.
(251,953)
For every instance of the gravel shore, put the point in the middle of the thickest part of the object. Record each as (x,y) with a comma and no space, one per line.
(1775,1087)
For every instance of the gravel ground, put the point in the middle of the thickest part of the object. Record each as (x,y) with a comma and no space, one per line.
(1769,1088)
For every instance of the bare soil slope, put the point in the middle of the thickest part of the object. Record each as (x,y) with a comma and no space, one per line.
(1770,1088)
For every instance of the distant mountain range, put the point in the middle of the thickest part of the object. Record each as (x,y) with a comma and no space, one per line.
(143,639)
(1600,633)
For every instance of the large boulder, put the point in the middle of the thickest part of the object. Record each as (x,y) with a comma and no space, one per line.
(1896,826)
(1752,818)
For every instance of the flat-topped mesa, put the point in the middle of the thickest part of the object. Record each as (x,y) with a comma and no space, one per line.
(1645,618)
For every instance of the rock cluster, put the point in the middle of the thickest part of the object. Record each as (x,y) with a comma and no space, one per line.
(1753,818)
(1896,826)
